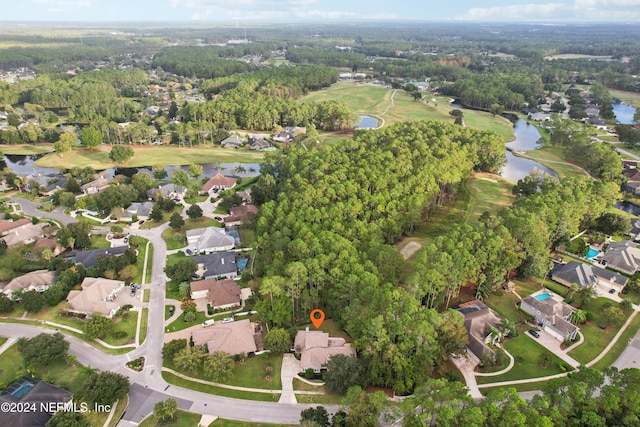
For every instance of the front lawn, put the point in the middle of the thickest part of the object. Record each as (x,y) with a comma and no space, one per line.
(595,338)
(168,312)
(50,314)
(99,241)
(179,324)
(125,324)
(175,239)
(11,366)
(527,353)
(251,373)
(620,345)
(144,322)
(184,419)
(219,391)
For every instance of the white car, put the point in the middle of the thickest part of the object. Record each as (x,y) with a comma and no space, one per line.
(228,320)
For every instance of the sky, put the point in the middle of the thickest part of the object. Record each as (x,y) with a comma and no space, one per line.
(300,11)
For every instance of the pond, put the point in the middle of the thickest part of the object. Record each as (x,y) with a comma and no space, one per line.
(527,138)
(367,122)
(624,113)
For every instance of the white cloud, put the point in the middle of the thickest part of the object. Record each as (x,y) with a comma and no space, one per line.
(515,12)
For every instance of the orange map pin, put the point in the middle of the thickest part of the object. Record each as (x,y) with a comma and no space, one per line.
(317,321)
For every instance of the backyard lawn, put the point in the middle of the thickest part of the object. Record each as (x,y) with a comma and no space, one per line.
(505,305)
(527,354)
(489,193)
(595,338)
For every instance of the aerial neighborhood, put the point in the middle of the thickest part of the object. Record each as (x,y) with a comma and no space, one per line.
(319,225)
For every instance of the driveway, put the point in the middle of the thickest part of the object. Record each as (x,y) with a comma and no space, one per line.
(290,368)
(553,345)
(30,208)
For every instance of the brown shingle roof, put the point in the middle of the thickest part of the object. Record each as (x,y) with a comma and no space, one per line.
(232,338)
(9,224)
(220,181)
(220,292)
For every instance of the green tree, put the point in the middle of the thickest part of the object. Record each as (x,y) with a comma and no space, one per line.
(44,349)
(195,170)
(33,301)
(68,419)
(67,199)
(277,340)
(188,306)
(218,366)
(105,388)
(344,372)
(189,358)
(318,416)
(67,141)
(170,349)
(121,154)
(159,172)
(156,213)
(578,317)
(185,289)
(165,411)
(180,177)
(90,137)
(611,223)
(176,221)
(97,327)
(181,271)
(6,303)
(194,211)
(364,408)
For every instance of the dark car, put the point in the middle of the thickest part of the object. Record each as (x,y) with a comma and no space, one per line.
(189,252)
(217,218)
(612,291)
(534,333)
(141,222)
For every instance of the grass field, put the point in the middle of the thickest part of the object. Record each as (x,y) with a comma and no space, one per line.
(26,150)
(184,419)
(179,324)
(50,314)
(631,98)
(527,354)
(12,369)
(617,349)
(488,193)
(98,158)
(127,325)
(221,422)
(596,338)
(237,394)
(548,156)
(374,100)
(505,306)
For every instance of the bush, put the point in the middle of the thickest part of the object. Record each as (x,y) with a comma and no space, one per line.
(309,374)
(120,335)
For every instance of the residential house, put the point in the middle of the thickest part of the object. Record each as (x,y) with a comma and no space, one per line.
(152,111)
(39,281)
(233,141)
(635,229)
(245,195)
(48,243)
(23,234)
(540,117)
(551,313)
(48,184)
(632,173)
(217,265)
(585,275)
(233,338)
(478,321)
(8,226)
(140,211)
(42,400)
(168,191)
(316,348)
(90,258)
(95,186)
(218,293)
(209,239)
(259,144)
(218,182)
(282,137)
(239,214)
(622,256)
(98,295)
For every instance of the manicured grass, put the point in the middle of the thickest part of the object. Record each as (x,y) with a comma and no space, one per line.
(10,366)
(170,236)
(247,237)
(25,149)
(332,138)
(167,313)
(122,405)
(329,399)
(142,253)
(489,193)
(374,100)
(195,199)
(237,394)
(98,158)
(144,323)
(221,422)
(150,223)
(596,338)
(633,296)
(99,241)
(631,98)
(526,287)
(149,270)
(329,326)
(145,295)
(505,306)
(252,372)
(3,340)
(50,314)
(301,386)
(127,325)
(548,156)
(527,354)
(14,264)
(184,419)
(617,349)
(179,324)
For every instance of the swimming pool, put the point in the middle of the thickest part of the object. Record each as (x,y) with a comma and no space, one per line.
(543,296)
(592,253)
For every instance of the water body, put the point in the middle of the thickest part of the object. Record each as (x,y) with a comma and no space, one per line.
(624,113)
(527,138)
(25,165)
(367,122)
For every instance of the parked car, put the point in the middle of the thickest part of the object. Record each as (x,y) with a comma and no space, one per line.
(218,218)
(189,252)
(208,323)
(534,333)
(195,276)
(141,222)
(228,320)
(612,291)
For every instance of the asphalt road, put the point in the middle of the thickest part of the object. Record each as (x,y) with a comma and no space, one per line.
(29,208)
(630,357)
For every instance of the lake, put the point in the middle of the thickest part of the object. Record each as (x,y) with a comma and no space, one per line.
(624,113)
(527,138)
(367,122)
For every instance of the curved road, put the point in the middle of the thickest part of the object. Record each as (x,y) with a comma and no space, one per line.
(148,387)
